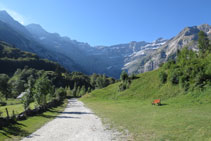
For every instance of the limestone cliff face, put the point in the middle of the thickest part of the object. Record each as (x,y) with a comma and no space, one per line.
(187,37)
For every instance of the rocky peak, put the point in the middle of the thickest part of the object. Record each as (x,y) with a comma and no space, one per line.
(204,27)
(159,40)
(6,18)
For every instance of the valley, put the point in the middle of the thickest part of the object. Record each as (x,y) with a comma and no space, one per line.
(54,87)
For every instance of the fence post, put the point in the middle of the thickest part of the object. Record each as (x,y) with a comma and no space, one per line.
(7,113)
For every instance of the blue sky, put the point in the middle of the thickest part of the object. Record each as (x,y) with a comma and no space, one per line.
(108,22)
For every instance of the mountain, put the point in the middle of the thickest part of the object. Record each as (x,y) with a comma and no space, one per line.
(16,34)
(73,55)
(187,37)
(6,18)
(12,58)
(63,45)
(133,61)
(100,59)
(119,57)
(134,57)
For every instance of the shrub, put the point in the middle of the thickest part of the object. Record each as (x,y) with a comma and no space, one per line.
(124,76)
(26,100)
(163,76)
(133,76)
(124,85)
(3,103)
(60,94)
(174,77)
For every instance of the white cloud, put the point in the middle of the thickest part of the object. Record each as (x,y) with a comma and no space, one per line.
(18,17)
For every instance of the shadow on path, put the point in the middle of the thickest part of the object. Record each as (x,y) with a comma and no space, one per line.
(77,113)
(48,116)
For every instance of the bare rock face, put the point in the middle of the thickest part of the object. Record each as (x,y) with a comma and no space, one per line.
(187,37)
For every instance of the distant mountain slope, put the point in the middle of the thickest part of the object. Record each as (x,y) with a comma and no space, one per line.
(187,37)
(100,59)
(134,57)
(61,45)
(12,58)
(119,57)
(73,55)
(16,34)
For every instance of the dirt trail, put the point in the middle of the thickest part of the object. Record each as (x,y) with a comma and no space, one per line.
(76,123)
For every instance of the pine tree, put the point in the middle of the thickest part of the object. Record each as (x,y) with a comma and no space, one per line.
(74,91)
(124,76)
(203,43)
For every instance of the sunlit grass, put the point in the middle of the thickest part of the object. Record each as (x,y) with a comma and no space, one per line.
(26,127)
(17,108)
(183,116)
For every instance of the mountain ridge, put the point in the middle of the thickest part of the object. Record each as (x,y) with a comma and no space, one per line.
(16,34)
(133,57)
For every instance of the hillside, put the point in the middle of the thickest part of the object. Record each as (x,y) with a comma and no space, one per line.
(12,58)
(183,87)
(187,112)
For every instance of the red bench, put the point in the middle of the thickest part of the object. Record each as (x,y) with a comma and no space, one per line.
(156,101)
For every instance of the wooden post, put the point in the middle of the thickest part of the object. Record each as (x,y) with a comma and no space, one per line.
(7,113)
(13,114)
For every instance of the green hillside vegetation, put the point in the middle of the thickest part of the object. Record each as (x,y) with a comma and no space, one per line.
(182,85)
(12,58)
(43,82)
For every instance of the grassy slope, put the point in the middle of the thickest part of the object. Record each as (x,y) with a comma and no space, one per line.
(26,127)
(184,116)
(14,105)
(12,58)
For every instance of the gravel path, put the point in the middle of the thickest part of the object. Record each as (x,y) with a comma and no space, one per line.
(76,123)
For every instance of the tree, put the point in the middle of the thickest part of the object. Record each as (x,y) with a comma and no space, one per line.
(83,90)
(42,88)
(27,98)
(17,86)
(4,87)
(124,76)
(99,82)
(93,80)
(78,91)
(60,94)
(68,91)
(89,90)
(203,43)
(125,81)
(163,76)
(74,91)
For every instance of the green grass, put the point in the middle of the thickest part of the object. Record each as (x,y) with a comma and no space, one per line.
(16,107)
(13,101)
(183,116)
(26,127)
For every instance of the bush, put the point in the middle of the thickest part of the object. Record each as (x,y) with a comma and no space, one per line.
(174,77)
(124,85)
(60,94)
(133,76)
(124,76)
(163,76)
(3,103)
